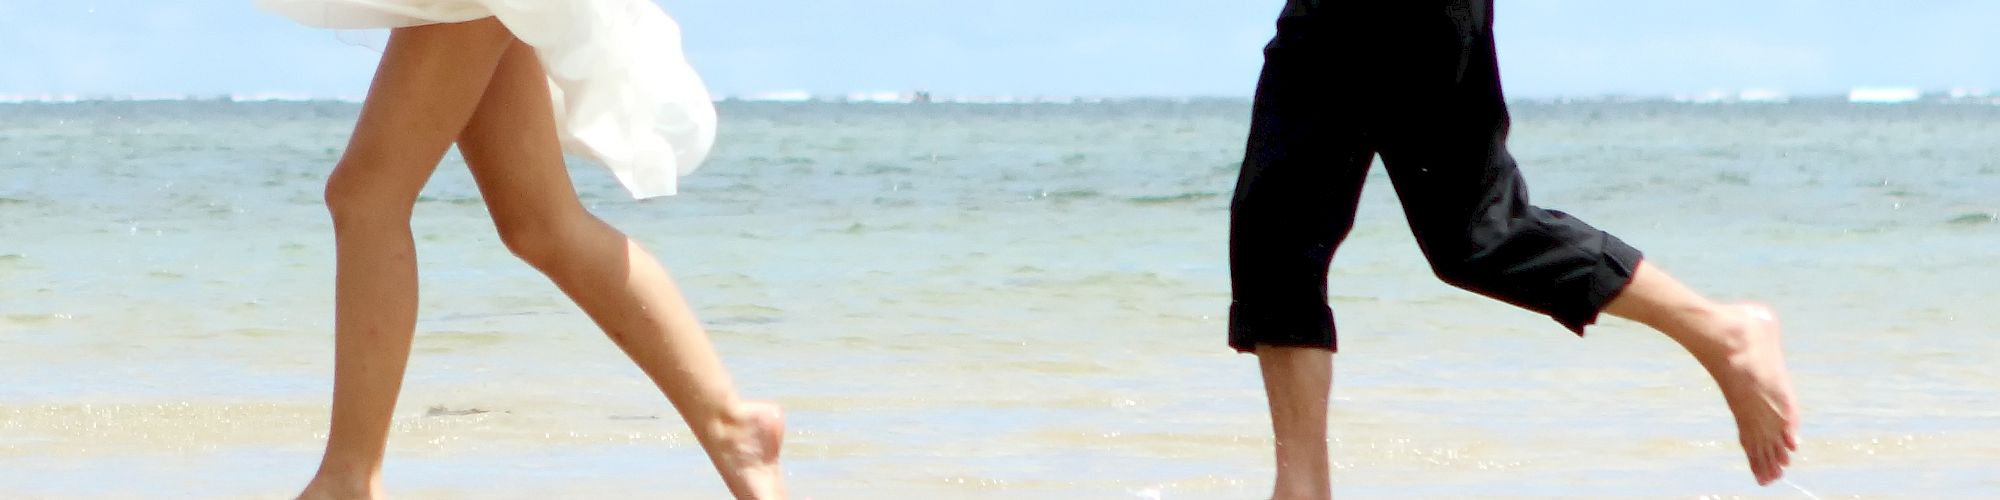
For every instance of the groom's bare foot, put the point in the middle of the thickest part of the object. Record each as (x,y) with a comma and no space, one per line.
(1751,372)
(747,456)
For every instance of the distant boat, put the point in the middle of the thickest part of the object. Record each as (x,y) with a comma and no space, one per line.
(1884,95)
(879,97)
(781,96)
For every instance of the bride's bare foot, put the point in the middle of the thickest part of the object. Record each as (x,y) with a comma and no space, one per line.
(1750,368)
(747,455)
(324,487)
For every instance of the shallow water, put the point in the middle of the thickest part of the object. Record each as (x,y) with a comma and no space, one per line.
(995,301)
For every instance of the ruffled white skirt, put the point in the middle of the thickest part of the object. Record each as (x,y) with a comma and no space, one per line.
(624,93)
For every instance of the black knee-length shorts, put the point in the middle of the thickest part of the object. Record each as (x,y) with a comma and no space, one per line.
(1415,81)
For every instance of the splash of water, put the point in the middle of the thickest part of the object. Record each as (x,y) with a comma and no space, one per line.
(1802,489)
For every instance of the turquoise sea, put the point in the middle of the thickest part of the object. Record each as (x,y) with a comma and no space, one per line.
(996,301)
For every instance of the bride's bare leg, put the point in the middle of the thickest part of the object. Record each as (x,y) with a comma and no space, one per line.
(429,81)
(512,149)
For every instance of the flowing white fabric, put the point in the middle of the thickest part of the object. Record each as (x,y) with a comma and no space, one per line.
(624,93)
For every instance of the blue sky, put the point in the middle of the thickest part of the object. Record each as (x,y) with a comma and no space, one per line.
(1048,47)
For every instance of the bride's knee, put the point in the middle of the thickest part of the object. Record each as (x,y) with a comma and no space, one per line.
(543,239)
(352,199)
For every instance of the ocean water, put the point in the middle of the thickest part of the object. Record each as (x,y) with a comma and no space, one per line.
(996,301)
